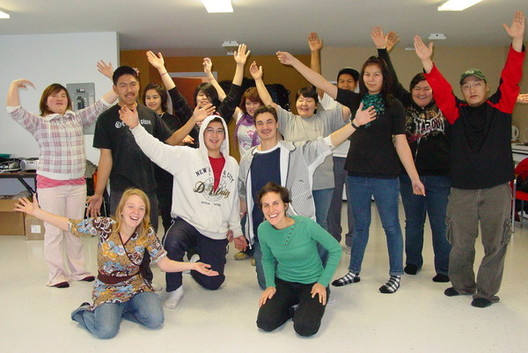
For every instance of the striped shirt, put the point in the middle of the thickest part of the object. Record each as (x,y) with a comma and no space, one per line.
(60,138)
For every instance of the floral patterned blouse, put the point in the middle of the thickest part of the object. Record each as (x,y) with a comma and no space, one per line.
(116,259)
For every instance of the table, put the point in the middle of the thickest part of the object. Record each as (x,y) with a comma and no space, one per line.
(20,176)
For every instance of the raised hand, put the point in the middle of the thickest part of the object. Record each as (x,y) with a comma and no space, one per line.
(314,42)
(207,65)
(255,71)
(285,58)
(156,60)
(392,40)
(423,51)
(200,113)
(379,39)
(129,117)
(22,83)
(516,30)
(105,69)
(241,54)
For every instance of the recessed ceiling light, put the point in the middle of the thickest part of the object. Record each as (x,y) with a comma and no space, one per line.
(4,15)
(457,5)
(218,6)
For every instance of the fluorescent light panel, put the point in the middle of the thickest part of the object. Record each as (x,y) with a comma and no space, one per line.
(216,6)
(457,5)
(4,15)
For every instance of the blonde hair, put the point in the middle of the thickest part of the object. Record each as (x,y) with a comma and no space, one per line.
(143,227)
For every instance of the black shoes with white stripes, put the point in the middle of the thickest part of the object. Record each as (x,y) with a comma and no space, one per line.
(350,277)
(390,287)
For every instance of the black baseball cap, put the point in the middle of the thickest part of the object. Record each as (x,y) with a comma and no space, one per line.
(350,71)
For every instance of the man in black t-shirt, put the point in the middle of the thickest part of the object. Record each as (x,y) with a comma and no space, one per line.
(121,160)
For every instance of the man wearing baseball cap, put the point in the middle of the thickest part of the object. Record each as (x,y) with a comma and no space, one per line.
(481,167)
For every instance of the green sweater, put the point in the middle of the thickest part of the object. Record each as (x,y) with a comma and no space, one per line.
(294,250)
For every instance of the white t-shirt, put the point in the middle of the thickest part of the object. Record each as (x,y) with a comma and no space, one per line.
(328,103)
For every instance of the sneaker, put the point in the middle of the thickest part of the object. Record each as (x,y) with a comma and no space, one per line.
(441,278)
(253,262)
(350,277)
(173,298)
(239,256)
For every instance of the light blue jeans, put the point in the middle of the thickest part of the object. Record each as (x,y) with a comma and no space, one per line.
(385,192)
(144,308)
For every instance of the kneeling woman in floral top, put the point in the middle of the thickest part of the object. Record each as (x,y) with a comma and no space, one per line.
(120,290)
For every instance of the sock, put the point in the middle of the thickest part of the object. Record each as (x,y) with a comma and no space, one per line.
(391,286)
(350,277)
(174,298)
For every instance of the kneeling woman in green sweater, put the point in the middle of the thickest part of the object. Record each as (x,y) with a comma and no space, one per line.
(295,275)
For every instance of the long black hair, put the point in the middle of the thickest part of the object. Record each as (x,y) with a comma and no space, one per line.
(386,85)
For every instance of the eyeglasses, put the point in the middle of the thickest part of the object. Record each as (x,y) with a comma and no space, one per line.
(210,130)
(475,85)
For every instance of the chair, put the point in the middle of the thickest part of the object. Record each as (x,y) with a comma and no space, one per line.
(522,196)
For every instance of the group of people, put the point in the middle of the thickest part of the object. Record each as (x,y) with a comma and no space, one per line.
(455,154)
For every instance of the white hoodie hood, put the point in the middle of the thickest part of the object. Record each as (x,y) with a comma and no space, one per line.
(224,149)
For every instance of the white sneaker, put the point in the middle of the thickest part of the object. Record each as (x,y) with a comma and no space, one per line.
(174,298)
(194,258)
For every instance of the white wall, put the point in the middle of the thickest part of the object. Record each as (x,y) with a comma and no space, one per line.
(44,59)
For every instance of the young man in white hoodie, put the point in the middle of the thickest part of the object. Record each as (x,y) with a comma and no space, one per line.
(205,199)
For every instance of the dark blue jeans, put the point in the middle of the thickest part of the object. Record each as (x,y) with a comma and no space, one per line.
(182,236)
(434,204)
(385,192)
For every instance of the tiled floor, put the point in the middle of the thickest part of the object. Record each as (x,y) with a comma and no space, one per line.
(418,318)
